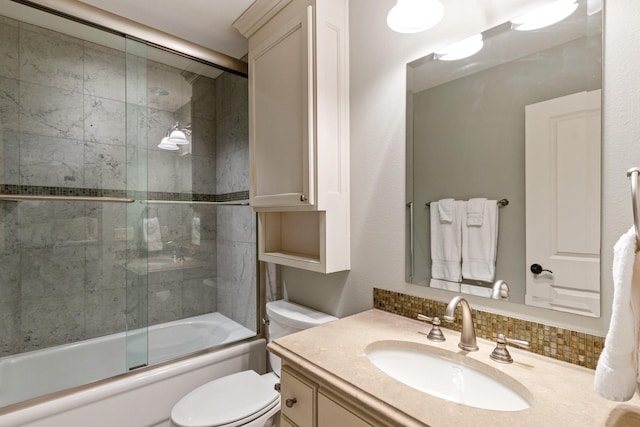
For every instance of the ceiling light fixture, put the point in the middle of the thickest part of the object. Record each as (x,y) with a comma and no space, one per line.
(544,16)
(413,16)
(460,50)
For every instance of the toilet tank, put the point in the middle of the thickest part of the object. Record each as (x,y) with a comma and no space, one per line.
(287,318)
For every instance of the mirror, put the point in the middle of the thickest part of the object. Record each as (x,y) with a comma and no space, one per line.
(518,124)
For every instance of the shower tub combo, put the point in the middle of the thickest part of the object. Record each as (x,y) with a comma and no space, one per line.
(117,400)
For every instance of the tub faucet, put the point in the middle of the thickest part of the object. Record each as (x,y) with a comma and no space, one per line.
(468,335)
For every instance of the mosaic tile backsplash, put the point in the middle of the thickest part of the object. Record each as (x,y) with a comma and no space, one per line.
(562,344)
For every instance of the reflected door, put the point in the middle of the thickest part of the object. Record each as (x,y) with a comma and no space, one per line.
(563,150)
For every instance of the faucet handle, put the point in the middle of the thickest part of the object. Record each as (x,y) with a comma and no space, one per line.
(435,334)
(500,353)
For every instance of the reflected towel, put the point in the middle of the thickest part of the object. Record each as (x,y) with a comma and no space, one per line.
(443,284)
(195,230)
(446,243)
(151,234)
(475,212)
(446,210)
(480,245)
(616,375)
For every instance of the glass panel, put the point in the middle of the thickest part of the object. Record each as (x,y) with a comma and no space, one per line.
(137,214)
(89,289)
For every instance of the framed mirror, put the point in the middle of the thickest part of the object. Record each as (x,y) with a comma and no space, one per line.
(514,131)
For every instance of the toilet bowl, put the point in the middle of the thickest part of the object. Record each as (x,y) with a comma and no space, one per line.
(246,398)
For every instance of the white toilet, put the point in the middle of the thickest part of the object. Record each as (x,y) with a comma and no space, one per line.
(246,398)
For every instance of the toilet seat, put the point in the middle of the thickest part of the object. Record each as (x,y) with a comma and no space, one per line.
(230,401)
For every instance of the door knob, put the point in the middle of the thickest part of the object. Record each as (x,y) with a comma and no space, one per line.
(537,269)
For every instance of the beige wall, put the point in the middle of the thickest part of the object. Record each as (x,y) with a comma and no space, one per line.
(378,58)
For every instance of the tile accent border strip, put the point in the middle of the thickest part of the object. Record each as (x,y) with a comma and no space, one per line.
(578,348)
(34,190)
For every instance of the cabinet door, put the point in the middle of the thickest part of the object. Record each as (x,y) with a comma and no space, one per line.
(331,414)
(281,110)
(297,399)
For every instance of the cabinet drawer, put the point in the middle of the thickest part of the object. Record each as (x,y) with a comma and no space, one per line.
(331,414)
(284,422)
(297,398)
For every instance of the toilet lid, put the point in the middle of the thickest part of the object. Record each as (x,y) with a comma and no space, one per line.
(224,401)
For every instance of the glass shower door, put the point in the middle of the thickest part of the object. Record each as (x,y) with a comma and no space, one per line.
(138,221)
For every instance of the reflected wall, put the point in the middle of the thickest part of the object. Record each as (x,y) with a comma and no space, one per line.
(84,118)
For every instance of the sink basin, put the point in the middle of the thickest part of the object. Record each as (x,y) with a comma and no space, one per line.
(448,375)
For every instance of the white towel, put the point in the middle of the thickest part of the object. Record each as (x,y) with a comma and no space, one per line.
(443,284)
(195,230)
(476,290)
(480,245)
(475,211)
(616,375)
(151,234)
(446,210)
(446,243)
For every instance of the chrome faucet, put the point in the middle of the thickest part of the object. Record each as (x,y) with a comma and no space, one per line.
(468,335)
(500,290)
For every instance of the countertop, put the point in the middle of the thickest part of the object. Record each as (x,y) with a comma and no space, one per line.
(562,394)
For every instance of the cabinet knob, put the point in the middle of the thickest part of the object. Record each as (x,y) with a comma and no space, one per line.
(290,402)
(303,198)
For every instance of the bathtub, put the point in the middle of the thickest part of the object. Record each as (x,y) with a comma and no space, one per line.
(139,398)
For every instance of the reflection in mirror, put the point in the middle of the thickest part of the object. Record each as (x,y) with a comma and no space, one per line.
(503,166)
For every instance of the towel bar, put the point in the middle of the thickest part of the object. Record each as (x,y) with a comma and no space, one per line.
(25,197)
(501,202)
(634,173)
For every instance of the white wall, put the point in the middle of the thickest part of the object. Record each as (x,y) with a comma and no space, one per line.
(378,57)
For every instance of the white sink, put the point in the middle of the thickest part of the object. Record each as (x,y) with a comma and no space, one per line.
(449,375)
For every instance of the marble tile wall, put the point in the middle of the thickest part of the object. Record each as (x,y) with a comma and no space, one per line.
(236,243)
(63,124)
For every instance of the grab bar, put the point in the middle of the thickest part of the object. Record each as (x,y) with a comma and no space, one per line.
(411,242)
(24,197)
(633,173)
(501,203)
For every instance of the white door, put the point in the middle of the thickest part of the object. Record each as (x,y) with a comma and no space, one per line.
(563,149)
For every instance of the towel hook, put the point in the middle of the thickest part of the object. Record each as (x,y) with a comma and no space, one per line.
(634,173)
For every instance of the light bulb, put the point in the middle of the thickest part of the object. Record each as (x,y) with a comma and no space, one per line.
(178,137)
(413,16)
(459,50)
(544,16)
(165,144)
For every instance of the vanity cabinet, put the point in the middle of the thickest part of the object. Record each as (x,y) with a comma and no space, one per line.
(299,131)
(307,403)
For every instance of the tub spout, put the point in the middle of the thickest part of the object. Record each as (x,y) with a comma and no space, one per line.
(468,336)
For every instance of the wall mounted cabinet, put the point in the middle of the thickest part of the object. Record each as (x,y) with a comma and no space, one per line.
(299,131)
